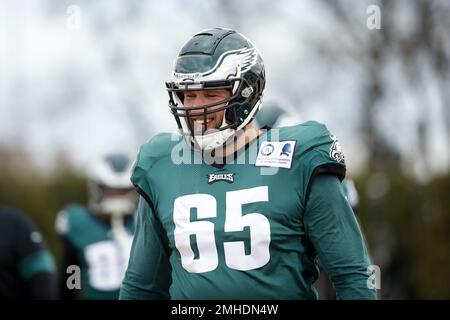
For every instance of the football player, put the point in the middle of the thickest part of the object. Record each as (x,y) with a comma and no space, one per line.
(97,238)
(27,268)
(231,211)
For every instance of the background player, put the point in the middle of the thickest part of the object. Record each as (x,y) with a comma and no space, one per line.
(97,238)
(27,268)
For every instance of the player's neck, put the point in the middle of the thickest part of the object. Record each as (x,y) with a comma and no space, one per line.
(248,134)
(104,218)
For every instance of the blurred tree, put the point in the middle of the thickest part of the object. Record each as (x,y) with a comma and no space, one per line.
(39,195)
(408,59)
(413,34)
(407,226)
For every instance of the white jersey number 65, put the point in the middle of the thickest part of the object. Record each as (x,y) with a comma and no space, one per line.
(235,256)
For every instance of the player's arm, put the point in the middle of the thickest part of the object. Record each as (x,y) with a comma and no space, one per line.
(149,272)
(333,230)
(36,264)
(69,257)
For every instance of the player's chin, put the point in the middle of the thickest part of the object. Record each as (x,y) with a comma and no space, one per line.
(211,127)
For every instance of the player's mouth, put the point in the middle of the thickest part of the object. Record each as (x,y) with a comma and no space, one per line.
(200,126)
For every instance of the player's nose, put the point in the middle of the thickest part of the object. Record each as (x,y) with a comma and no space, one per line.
(197,110)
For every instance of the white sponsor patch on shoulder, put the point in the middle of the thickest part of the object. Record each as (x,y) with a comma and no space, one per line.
(276,154)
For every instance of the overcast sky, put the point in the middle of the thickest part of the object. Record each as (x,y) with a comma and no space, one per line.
(99,87)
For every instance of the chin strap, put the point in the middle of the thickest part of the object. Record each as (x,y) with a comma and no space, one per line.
(213,140)
(119,205)
(218,139)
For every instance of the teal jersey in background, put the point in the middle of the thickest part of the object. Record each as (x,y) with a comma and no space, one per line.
(101,258)
(234,231)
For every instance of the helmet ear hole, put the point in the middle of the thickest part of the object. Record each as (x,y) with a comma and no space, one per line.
(230,115)
(261,83)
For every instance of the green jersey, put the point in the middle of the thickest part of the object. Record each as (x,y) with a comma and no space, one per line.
(91,245)
(237,230)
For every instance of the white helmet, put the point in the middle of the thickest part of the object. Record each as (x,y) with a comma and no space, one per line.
(110,188)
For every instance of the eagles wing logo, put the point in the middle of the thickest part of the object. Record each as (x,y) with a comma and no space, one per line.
(247,58)
(336,150)
(225,67)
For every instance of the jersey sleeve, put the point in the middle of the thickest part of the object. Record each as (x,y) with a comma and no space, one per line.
(148,275)
(69,255)
(319,153)
(36,265)
(334,232)
(158,147)
(33,255)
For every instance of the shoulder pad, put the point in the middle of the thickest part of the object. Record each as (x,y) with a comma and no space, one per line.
(70,218)
(159,147)
(311,135)
(317,150)
(314,139)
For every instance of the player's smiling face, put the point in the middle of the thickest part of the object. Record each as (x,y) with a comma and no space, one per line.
(198,98)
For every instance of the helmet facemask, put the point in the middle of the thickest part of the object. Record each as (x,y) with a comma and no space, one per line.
(187,118)
(216,59)
(110,189)
(111,201)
